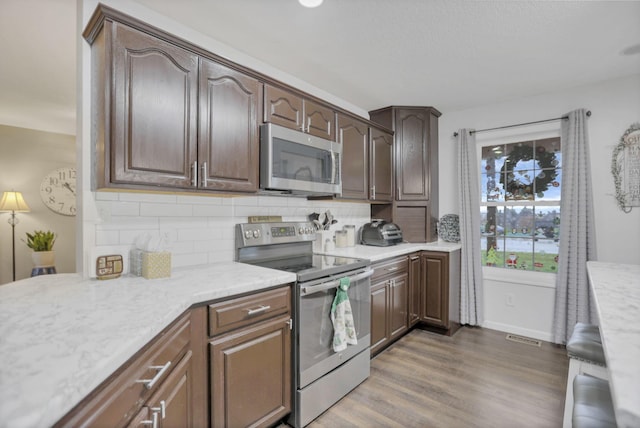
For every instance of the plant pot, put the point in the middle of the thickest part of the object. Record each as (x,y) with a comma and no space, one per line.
(43,258)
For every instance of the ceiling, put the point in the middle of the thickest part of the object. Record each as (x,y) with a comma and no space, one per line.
(451,54)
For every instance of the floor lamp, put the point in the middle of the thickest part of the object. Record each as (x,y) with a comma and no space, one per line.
(13,202)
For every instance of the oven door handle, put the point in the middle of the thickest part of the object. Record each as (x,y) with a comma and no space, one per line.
(312,289)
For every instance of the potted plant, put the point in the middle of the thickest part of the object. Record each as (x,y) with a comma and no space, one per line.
(42,245)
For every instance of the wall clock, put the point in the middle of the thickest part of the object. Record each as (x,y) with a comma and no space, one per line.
(58,191)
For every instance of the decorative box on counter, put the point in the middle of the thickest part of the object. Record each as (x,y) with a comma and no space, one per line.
(156,265)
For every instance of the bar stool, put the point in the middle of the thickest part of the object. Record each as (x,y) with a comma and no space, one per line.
(592,407)
(586,357)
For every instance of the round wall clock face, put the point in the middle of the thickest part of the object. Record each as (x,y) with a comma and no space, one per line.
(58,191)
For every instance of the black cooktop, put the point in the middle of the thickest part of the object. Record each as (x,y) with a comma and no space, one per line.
(314,266)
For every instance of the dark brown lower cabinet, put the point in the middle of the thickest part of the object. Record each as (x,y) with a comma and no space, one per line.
(164,385)
(251,375)
(389,291)
(441,290)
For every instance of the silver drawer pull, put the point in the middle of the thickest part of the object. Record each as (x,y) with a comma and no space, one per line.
(257,311)
(162,409)
(393,268)
(149,383)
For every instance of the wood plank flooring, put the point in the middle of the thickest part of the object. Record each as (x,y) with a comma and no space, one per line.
(476,378)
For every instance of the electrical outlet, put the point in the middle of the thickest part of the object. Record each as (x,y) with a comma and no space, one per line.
(510,299)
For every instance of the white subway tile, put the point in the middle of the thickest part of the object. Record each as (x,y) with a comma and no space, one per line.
(198,234)
(125,209)
(192,259)
(148,197)
(199,199)
(124,223)
(213,210)
(165,210)
(106,196)
(245,201)
(107,237)
(183,222)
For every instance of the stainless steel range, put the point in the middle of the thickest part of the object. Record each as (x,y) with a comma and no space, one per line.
(321,376)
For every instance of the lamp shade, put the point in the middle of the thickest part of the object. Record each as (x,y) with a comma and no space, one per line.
(13,201)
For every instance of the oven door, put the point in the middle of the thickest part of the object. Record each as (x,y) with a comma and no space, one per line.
(315,330)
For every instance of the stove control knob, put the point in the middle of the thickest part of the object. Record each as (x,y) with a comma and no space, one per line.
(248,234)
(301,231)
(256,233)
(308,230)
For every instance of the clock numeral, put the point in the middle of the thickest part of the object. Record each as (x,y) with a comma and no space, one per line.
(52,199)
(53,181)
(72,209)
(48,189)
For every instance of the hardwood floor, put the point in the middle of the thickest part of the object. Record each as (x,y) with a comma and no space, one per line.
(476,378)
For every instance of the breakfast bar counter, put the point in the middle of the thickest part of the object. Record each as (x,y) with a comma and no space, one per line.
(616,288)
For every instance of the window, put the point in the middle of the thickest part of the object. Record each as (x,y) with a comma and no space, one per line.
(520,204)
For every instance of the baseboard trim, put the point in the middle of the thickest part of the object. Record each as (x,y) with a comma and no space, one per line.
(507,328)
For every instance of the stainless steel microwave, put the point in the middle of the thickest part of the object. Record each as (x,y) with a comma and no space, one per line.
(298,163)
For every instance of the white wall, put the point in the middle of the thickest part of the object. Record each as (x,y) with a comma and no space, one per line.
(26,156)
(615,105)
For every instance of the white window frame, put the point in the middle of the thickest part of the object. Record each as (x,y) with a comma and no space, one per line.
(506,136)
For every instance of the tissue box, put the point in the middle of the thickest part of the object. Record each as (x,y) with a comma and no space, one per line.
(156,265)
(135,262)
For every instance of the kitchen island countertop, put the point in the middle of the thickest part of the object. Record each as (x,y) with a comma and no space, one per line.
(62,335)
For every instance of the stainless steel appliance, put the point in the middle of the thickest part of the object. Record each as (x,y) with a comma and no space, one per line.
(298,163)
(381,233)
(321,376)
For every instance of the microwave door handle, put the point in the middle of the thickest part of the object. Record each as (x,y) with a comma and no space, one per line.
(306,291)
(333,167)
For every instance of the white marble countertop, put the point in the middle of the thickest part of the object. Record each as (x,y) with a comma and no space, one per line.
(617,293)
(61,336)
(375,254)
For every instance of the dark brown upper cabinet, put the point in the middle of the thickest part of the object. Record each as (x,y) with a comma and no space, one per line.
(367,166)
(354,137)
(381,166)
(150,126)
(416,149)
(293,111)
(228,141)
(169,118)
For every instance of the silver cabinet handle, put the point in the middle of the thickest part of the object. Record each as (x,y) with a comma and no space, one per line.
(162,409)
(392,269)
(415,258)
(149,383)
(203,174)
(373,192)
(194,174)
(257,311)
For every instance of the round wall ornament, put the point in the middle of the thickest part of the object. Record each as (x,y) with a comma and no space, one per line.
(449,228)
(625,167)
(58,191)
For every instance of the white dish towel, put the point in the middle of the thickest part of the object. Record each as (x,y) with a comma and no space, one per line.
(344,330)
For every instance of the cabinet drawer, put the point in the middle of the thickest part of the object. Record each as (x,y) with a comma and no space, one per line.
(235,313)
(388,267)
(121,397)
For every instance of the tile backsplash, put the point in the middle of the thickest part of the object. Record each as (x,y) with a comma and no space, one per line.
(200,229)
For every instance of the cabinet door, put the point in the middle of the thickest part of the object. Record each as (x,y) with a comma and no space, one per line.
(412,154)
(435,289)
(171,403)
(379,315)
(283,108)
(228,140)
(399,319)
(319,120)
(154,107)
(414,289)
(354,137)
(381,166)
(251,375)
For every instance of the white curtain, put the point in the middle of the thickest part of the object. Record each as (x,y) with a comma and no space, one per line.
(471,294)
(577,232)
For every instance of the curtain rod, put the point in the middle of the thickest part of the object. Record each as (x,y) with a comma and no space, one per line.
(455,134)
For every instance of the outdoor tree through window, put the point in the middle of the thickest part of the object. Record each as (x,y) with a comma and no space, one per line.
(520,204)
